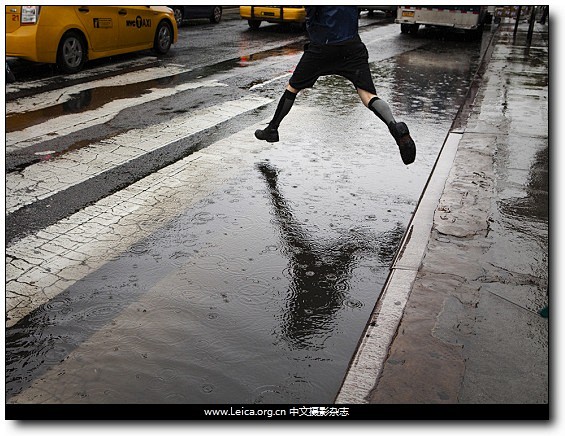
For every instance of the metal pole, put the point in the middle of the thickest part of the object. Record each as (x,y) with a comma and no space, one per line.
(531,27)
(517,20)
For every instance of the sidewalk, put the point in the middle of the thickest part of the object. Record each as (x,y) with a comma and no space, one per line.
(468,286)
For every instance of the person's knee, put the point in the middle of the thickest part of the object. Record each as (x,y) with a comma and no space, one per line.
(292,89)
(365,96)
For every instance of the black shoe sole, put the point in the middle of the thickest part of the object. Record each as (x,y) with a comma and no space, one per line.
(406,144)
(260,134)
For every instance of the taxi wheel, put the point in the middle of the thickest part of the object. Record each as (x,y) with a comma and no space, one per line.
(254,24)
(179,15)
(216,15)
(71,54)
(163,38)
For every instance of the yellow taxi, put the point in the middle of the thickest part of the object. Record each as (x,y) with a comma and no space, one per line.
(70,35)
(272,14)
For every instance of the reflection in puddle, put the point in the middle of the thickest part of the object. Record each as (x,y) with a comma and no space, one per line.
(288,50)
(523,209)
(88,99)
(245,306)
(319,271)
(534,201)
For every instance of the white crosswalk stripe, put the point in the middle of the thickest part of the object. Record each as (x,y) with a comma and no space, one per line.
(47,99)
(115,69)
(66,124)
(44,179)
(44,264)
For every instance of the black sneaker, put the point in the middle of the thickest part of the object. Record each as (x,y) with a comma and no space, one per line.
(400,133)
(267,134)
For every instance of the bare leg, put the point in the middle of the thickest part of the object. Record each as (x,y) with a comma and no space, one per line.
(291,89)
(365,96)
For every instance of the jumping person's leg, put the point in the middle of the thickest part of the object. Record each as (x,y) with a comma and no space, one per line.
(399,131)
(305,75)
(271,133)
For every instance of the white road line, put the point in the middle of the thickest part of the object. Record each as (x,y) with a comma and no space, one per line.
(67,124)
(44,179)
(381,39)
(260,85)
(12,88)
(51,98)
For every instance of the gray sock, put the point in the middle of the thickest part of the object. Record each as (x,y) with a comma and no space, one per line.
(381,110)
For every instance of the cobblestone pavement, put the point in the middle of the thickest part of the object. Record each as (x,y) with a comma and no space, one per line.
(41,265)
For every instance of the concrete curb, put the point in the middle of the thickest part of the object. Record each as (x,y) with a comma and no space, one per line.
(458,320)
(368,361)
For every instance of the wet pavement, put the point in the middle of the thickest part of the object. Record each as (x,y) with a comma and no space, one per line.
(205,307)
(473,327)
(244,272)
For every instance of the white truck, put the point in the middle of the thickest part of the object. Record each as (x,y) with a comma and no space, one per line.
(470,18)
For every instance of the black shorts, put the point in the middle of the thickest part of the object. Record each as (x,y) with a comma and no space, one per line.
(349,59)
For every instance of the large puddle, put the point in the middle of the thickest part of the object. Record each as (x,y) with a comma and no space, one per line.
(239,300)
(94,98)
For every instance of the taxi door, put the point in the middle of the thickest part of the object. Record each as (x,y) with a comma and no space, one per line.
(13,18)
(101,24)
(137,25)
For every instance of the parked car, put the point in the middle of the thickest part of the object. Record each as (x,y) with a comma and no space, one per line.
(70,35)
(255,15)
(389,10)
(183,13)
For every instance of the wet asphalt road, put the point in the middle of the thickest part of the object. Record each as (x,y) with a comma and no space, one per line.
(256,286)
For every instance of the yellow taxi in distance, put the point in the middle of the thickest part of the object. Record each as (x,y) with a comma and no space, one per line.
(272,14)
(70,35)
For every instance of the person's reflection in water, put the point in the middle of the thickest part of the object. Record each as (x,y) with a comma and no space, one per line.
(319,270)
